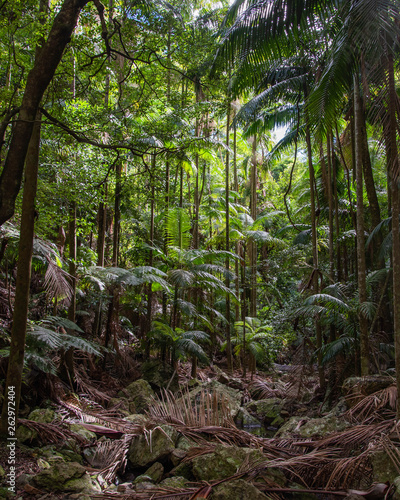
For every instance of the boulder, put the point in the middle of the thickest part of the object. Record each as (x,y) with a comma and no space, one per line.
(160,376)
(140,394)
(311,427)
(174,482)
(83,432)
(227,396)
(363,386)
(25,435)
(156,472)
(137,418)
(42,415)
(156,446)
(318,427)
(383,468)
(63,476)
(237,490)
(245,421)
(223,462)
(267,410)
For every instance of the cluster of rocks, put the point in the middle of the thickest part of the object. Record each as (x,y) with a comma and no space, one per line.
(163,457)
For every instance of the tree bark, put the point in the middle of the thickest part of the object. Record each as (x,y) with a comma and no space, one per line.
(37,82)
(227,248)
(361,265)
(25,249)
(393,165)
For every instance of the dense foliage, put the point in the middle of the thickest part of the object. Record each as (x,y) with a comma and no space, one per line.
(215,183)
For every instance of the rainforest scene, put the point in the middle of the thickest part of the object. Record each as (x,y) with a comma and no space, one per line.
(199,249)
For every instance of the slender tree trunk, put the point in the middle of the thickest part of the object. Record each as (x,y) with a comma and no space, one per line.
(25,249)
(362,286)
(67,357)
(227,248)
(117,213)
(151,243)
(253,244)
(315,271)
(394,165)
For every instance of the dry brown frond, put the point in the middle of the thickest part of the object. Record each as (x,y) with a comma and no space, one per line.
(112,457)
(357,436)
(261,389)
(52,433)
(380,405)
(57,282)
(209,409)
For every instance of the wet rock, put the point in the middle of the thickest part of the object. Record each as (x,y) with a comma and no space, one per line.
(223,462)
(144,451)
(160,376)
(156,472)
(237,490)
(140,394)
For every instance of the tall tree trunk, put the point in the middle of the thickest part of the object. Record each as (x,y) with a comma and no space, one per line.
(117,213)
(46,63)
(394,165)
(25,247)
(227,248)
(315,271)
(361,265)
(252,244)
(151,243)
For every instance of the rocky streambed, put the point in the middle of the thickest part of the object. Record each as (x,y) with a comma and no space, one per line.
(195,443)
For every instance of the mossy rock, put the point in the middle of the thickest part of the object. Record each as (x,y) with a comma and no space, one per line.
(155,471)
(160,376)
(316,427)
(42,415)
(137,418)
(2,473)
(56,477)
(143,478)
(140,394)
(267,410)
(244,420)
(83,432)
(174,482)
(223,462)
(226,395)
(84,484)
(184,470)
(26,435)
(237,490)
(5,493)
(364,386)
(291,427)
(383,468)
(162,441)
(185,443)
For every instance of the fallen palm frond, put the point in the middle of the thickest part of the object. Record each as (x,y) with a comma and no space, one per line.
(360,434)
(88,414)
(52,433)
(57,282)
(261,389)
(209,409)
(375,407)
(90,388)
(112,457)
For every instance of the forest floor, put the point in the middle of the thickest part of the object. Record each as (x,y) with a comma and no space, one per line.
(222,436)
